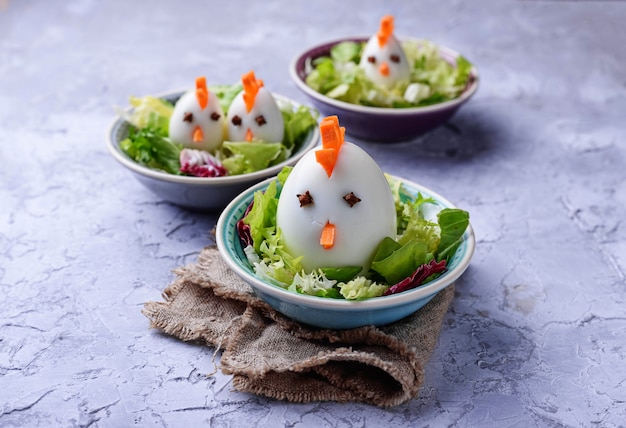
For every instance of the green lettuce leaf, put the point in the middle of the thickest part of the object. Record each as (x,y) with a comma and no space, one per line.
(226,94)
(245,157)
(453,223)
(346,52)
(263,214)
(341,274)
(298,123)
(402,262)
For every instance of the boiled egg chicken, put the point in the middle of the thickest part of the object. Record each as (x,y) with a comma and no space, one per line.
(336,205)
(254,114)
(383,58)
(198,121)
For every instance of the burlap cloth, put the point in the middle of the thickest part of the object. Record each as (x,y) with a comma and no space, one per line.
(271,355)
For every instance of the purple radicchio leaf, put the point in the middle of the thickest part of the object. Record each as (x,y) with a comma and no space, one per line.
(243,229)
(416,279)
(200,164)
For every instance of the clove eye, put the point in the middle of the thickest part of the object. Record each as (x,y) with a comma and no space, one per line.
(371,59)
(236,120)
(188,117)
(260,120)
(215,116)
(394,58)
(351,199)
(305,199)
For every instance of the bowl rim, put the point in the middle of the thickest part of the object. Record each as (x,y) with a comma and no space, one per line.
(445,51)
(122,158)
(329,304)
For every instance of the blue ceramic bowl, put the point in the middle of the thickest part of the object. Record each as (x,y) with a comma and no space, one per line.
(335,313)
(198,193)
(379,124)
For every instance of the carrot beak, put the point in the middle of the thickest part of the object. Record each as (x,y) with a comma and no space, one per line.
(384,69)
(248,135)
(198,135)
(327,239)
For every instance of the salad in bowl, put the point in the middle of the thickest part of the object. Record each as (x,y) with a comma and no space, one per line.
(215,131)
(201,147)
(336,234)
(385,89)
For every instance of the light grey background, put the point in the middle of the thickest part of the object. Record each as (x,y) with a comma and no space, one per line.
(535,335)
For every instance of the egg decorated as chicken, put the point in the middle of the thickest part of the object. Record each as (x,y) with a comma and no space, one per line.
(198,121)
(383,58)
(254,114)
(336,205)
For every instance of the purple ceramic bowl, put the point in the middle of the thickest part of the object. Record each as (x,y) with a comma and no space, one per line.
(380,124)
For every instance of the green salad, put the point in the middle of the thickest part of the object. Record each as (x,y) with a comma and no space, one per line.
(148,141)
(418,254)
(433,79)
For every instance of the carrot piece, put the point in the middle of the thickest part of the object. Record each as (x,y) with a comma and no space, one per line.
(333,119)
(384,69)
(385,31)
(251,86)
(327,239)
(327,159)
(202,93)
(332,139)
(198,135)
(248,135)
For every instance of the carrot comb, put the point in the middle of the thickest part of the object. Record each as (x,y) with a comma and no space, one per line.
(251,88)
(202,93)
(385,31)
(332,139)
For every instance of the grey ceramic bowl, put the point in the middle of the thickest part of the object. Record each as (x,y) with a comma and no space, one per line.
(379,124)
(335,313)
(198,193)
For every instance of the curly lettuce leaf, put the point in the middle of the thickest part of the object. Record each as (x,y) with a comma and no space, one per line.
(361,288)
(298,123)
(150,148)
(314,284)
(150,112)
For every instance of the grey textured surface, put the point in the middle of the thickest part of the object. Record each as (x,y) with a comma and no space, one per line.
(535,335)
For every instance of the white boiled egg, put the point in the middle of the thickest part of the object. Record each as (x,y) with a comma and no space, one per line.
(356,199)
(197,121)
(264,122)
(254,114)
(383,58)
